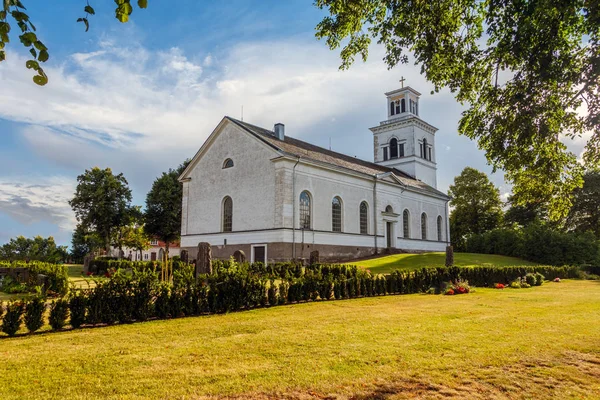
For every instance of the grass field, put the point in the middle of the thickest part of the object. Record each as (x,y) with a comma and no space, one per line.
(542,342)
(383,265)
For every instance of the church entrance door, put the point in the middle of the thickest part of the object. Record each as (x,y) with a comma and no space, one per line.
(389,234)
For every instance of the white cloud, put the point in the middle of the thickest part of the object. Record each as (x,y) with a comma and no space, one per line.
(31,200)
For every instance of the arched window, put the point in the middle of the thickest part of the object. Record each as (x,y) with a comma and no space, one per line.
(305,209)
(403,105)
(392,108)
(389,209)
(406,224)
(336,214)
(228,163)
(227,214)
(364,218)
(424,152)
(394,148)
(439,227)
(424,226)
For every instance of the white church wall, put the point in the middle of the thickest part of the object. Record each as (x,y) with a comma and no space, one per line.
(250,183)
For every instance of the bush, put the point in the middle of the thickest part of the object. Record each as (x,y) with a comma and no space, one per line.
(531,279)
(34,314)
(58,279)
(59,313)
(11,322)
(539,279)
(77,308)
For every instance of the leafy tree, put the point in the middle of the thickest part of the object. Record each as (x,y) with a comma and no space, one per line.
(83,243)
(136,238)
(585,213)
(524,214)
(476,206)
(133,217)
(13,12)
(163,207)
(38,248)
(102,202)
(524,68)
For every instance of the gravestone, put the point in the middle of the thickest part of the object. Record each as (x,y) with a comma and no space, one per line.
(44,282)
(203,261)
(314,257)
(449,256)
(86,263)
(185,256)
(239,256)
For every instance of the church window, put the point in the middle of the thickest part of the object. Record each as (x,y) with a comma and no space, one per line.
(364,218)
(421,149)
(403,103)
(424,149)
(429,153)
(416,108)
(228,163)
(305,209)
(385,154)
(392,108)
(336,214)
(227,214)
(406,223)
(439,227)
(389,209)
(424,226)
(397,107)
(394,148)
(401,150)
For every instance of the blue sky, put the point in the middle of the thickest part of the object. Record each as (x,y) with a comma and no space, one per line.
(141,97)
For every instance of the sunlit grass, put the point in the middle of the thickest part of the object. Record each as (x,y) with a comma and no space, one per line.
(386,264)
(528,343)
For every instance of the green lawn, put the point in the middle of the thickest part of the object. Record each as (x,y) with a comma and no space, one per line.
(387,264)
(542,342)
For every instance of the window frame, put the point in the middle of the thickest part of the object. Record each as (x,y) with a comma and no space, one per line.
(227,162)
(439,228)
(424,226)
(337,225)
(406,223)
(363,218)
(227,220)
(305,211)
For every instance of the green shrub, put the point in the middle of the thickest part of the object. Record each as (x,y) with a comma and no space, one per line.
(34,313)
(539,279)
(59,313)
(531,279)
(77,308)
(12,320)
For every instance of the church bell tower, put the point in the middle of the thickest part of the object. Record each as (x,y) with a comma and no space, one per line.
(404,141)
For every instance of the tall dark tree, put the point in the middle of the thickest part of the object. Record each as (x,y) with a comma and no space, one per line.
(476,206)
(163,207)
(523,68)
(102,202)
(523,214)
(585,213)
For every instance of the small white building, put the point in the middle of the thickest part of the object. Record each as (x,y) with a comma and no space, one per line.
(155,251)
(278,198)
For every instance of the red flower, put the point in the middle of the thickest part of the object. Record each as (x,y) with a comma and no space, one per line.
(89,273)
(499,286)
(449,292)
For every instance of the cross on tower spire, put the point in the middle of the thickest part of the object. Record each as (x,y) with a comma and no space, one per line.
(402,81)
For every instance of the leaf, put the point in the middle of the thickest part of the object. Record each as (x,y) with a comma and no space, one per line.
(33,53)
(2,14)
(1,45)
(86,22)
(44,56)
(28,38)
(40,46)
(124,11)
(88,9)
(32,26)
(4,27)
(142,3)
(2,55)
(32,64)
(22,25)
(40,80)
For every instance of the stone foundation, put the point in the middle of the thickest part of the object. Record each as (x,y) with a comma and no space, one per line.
(280,252)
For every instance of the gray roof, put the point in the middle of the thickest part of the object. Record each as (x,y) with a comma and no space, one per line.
(299,148)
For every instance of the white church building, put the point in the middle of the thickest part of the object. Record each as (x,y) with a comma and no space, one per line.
(278,198)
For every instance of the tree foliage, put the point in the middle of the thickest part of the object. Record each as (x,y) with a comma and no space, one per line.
(524,68)
(13,12)
(585,213)
(84,242)
(36,249)
(163,207)
(476,206)
(102,202)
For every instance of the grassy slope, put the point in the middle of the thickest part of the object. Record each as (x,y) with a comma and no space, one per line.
(387,264)
(529,343)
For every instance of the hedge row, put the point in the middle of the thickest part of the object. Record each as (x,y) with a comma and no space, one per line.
(538,243)
(139,296)
(100,266)
(58,277)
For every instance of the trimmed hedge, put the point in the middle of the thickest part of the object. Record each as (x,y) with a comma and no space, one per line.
(57,274)
(538,243)
(139,296)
